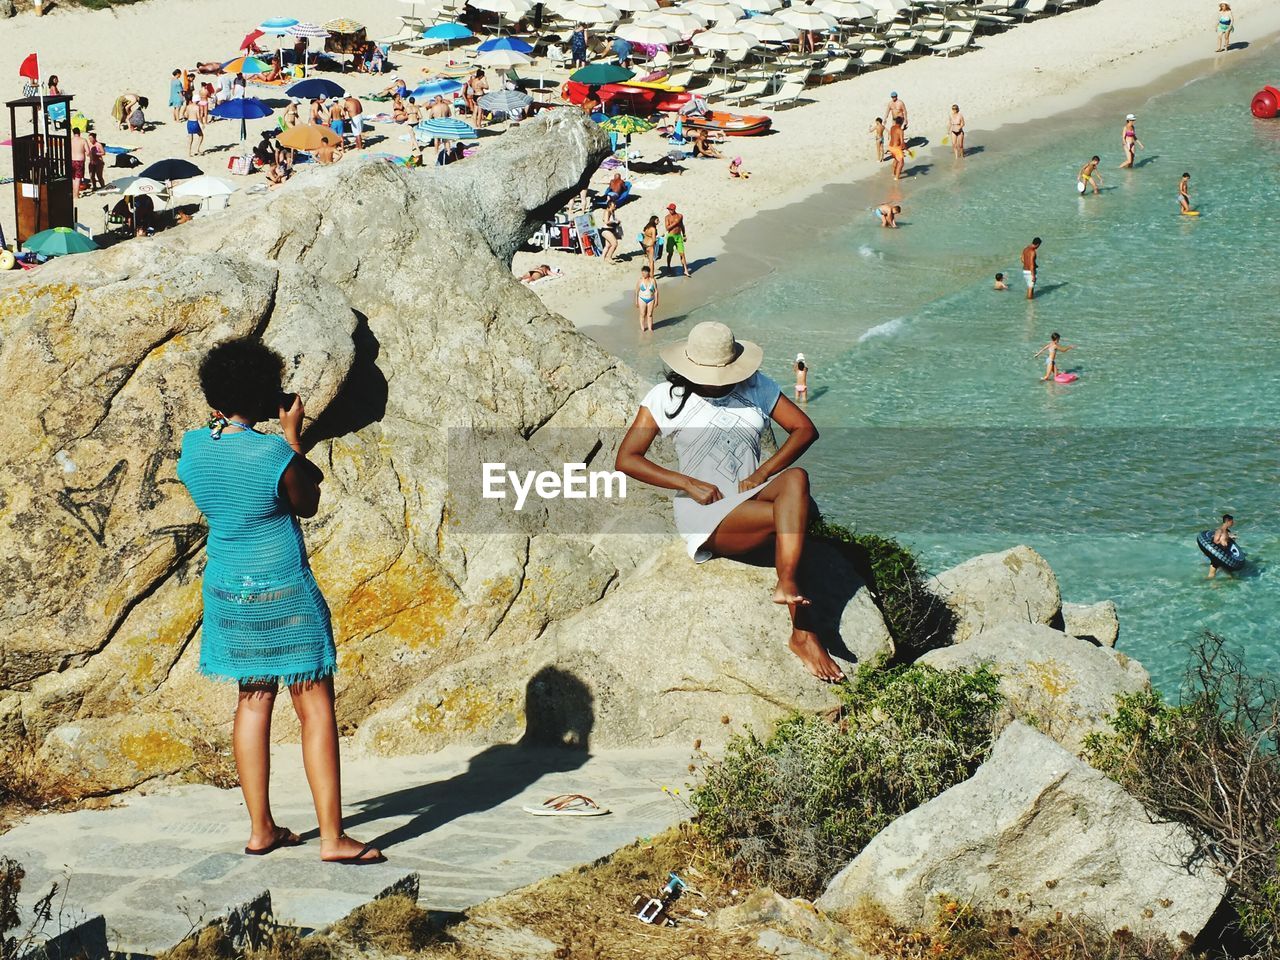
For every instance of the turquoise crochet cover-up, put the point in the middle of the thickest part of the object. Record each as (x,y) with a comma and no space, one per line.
(264,616)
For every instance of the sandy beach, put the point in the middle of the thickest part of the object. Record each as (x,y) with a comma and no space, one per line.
(1025,74)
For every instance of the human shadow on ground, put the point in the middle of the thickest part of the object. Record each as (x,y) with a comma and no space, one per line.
(973,151)
(670,321)
(1238,45)
(1048,288)
(1145,160)
(815,394)
(363,397)
(918,170)
(676,273)
(559,716)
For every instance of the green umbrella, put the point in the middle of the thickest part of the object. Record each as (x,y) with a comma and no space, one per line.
(625,125)
(599,73)
(59,242)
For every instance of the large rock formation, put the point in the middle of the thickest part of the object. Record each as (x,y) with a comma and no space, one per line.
(1099,622)
(1066,686)
(1015,585)
(1035,832)
(389,292)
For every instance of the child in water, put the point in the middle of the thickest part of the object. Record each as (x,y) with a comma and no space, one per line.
(1051,351)
(1089,174)
(887,213)
(1000,284)
(802,377)
(877,129)
(1184,194)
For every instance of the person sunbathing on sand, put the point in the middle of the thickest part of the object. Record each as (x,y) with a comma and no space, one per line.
(537,273)
(702,147)
(715,403)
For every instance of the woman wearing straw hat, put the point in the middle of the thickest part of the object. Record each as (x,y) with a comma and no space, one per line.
(715,404)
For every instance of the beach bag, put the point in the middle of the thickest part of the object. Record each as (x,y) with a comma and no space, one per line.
(126,160)
(239,165)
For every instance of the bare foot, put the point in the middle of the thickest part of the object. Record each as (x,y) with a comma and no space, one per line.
(788,592)
(344,849)
(805,645)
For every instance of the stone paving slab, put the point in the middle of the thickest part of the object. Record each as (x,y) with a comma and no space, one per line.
(172,856)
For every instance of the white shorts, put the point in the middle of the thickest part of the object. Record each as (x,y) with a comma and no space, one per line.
(1029,277)
(357,124)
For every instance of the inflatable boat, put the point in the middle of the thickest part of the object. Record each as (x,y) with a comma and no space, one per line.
(1229,558)
(729,124)
(639,101)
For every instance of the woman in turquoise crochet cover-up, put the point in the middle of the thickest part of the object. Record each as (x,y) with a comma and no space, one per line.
(265,620)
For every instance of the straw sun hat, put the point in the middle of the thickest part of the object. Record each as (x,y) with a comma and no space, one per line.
(712,357)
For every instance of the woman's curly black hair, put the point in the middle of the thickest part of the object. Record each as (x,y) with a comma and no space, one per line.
(243,376)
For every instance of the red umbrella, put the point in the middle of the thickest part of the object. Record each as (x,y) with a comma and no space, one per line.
(250,42)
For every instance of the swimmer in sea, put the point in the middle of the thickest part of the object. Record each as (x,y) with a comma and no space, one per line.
(802,377)
(1184,193)
(1089,174)
(1000,283)
(887,214)
(1051,351)
(1222,538)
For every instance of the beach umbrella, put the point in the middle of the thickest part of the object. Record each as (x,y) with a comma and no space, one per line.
(723,36)
(804,17)
(307,136)
(171,170)
(135,186)
(242,109)
(845,9)
(761,6)
(277,26)
(249,66)
(635,6)
(600,73)
(203,188)
(311,31)
(714,10)
(250,39)
(587,11)
(445,128)
(514,44)
(448,32)
(769,29)
(58,242)
(686,21)
(511,9)
(649,34)
(624,125)
(344,25)
(313,88)
(505,100)
(439,87)
(503,59)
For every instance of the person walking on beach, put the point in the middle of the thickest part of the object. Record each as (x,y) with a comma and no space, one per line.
(1089,176)
(955,128)
(897,147)
(1129,142)
(896,109)
(1226,24)
(578,46)
(354,111)
(175,95)
(677,233)
(265,622)
(729,500)
(79,156)
(649,241)
(1051,351)
(1184,194)
(877,132)
(887,214)
(1031,266)
(801,368)
(97,162)
(195,129)
(646,298)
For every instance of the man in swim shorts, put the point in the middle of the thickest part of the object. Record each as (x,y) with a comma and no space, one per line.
(676,235)
(355,114)
(195,129)
(1222,538)
(79,154)
(1030,265)
(895,109)
(898,147)
(887,214)
(1089,174)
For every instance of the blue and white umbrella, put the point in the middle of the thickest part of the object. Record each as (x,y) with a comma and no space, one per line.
(277,26)
(445,128)
(505,43)
(447,32)
(505,101)
(440,87)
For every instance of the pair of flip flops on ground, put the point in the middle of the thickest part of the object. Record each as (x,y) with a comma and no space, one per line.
(568,805)
(287,838)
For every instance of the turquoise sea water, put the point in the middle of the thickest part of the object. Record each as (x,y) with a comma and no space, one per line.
(934,426)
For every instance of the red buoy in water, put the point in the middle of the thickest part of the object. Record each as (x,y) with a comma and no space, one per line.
(1266,103)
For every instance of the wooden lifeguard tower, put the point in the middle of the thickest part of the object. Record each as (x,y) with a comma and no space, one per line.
(41,166)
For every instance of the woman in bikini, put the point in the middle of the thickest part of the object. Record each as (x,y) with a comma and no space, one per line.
(649,240)
(956,127)
(646,298)
(612,232)
(802,377)
(1130,142)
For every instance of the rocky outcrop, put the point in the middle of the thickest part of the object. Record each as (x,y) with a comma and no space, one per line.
(419,357)
(1038,833)
(1065,686)
(1099,622)
(1015,585)
(791,929)
(665,658)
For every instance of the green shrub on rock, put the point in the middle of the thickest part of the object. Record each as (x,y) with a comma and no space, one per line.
(792,809)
